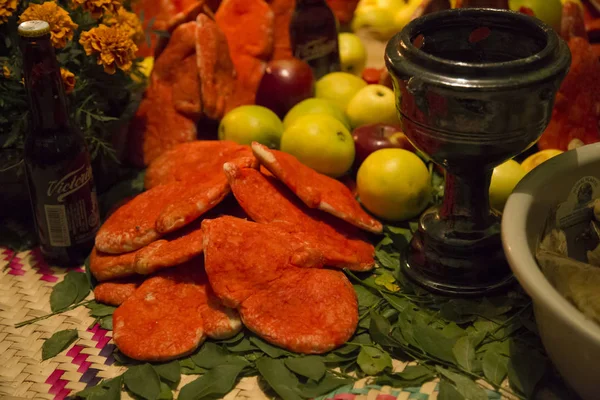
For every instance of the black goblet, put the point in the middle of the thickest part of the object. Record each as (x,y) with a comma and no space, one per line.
(474,88)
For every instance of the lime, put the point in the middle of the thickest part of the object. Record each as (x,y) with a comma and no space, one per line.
(504,179)
(247,124)
(321,142)
(315,106)
(394,184)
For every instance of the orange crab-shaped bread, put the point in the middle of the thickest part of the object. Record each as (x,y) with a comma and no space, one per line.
(248,27)
(173,249)
(274,279)
(171,314)
(314,189)
(267,200)
(158,211)
(195,161)
(193,76)
(117,291)
(171,106)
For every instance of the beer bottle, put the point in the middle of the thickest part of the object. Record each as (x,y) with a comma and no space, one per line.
(314,36)
(57,162)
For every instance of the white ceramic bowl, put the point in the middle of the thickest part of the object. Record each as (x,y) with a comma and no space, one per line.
(571,340)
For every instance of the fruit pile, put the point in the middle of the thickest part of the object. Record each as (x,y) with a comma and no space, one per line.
(340,124)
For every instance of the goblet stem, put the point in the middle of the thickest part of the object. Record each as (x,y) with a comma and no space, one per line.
(466,204)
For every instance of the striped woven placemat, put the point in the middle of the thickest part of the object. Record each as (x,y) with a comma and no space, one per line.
(26,281)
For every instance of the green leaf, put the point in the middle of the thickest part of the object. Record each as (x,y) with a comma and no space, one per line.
(448,391)
(465,386)
(166,393)
(412,376)
(483,325)
(107,322)
(433,342)
(387,281)
(279,378)
(366,298)
(326,385)
(386,259)
(58,342)
(189,367)
(495,366)
(347,349)
(234,339)
(215,383)
(122,359)
(109,389)
(212,355)
(80,282)
(142,380)
(268,349)
(373,360)
(311,367)
(399,303)
(100,310)
(63,295)
(525,369)
(464,352)
(452,330)
(242,346)
(380,330)
(170,372)
(476,338)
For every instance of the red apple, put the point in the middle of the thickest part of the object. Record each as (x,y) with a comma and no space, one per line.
(284,84)
(372,137)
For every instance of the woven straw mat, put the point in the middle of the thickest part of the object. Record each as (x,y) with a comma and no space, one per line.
(25,285)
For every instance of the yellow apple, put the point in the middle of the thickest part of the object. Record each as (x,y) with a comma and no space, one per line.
(353,54)
(373,104)
(339,87)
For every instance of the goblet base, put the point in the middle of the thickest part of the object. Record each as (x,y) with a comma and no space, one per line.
(452,258)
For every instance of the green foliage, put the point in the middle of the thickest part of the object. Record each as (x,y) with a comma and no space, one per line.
(58,342)
(99,103)
(460,341)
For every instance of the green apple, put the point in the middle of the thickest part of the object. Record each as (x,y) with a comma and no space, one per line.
(371,105)
(353,54)
(377,17)
(315,106)
(504,179)
(321,142)
(247,124)
(339,87)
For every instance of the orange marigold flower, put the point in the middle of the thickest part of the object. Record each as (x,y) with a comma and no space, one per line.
(61,24)
(112,45)
(68,80)
(127,21)
(7,8)
(5,71)
(98,8)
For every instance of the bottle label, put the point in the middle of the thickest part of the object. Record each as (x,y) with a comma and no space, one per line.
(70,183)
(314,49)
(67,206)
(58,225)
(76,215)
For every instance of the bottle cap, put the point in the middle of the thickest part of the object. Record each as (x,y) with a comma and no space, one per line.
(34,28)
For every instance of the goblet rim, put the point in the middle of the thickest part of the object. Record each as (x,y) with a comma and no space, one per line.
(540,66)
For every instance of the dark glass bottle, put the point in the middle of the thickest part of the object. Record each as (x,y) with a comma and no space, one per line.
(59,173)
(314,36)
